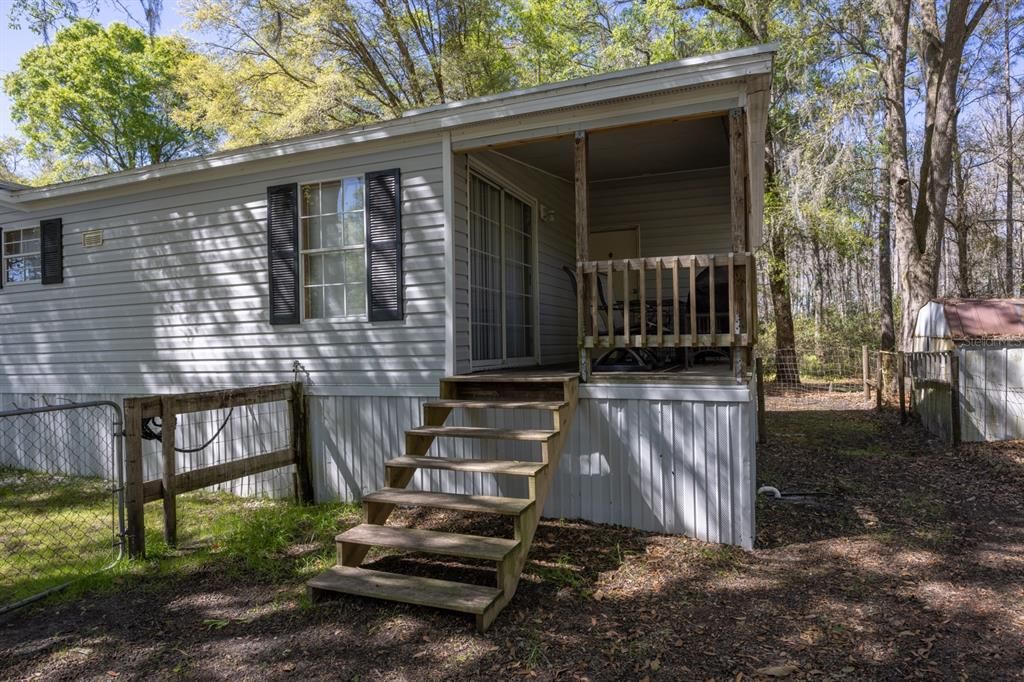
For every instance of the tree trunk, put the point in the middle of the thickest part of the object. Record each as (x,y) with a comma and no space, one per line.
(787,371)
(888,328)
(1011,285)
(919,232)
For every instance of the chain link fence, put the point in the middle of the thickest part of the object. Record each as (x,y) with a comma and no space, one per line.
(61,512)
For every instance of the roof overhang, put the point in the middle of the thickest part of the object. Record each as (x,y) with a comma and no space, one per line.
(639,82)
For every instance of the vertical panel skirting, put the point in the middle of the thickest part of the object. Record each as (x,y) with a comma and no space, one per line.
(664,465)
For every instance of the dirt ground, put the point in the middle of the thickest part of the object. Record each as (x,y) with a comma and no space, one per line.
(909,563)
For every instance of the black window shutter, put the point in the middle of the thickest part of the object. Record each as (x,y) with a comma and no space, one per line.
(3,263)
(384,282)
(51,247)
(283,253)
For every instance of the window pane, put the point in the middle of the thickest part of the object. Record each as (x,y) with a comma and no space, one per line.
(12,248)
(11,236)
(354,229)
(353,199)
(331,229)
(355,266)
(310,200)
(30,233)
(334,301)
(22,269)
(314,269)
(356,299)
(314,302)
(334,268)
(311,233)
(31,246)
(329,197)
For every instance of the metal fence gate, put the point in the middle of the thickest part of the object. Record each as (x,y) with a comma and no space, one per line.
(61,496)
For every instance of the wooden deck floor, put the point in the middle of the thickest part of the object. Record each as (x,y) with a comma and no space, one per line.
(716,374)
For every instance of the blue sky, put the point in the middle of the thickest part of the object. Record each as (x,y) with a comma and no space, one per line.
(14,43)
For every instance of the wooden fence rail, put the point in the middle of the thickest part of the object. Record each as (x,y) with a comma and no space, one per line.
(138,491)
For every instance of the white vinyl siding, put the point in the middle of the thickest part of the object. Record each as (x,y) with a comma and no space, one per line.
(177,298)
(678,213)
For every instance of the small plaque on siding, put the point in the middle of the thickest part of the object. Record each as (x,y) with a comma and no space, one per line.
(92,238)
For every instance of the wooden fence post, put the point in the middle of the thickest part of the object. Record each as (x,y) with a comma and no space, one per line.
(901,385)
(954,396)
(864,363)
(878,383)
(168,427)
(762,419)
(299,415)
(135,514)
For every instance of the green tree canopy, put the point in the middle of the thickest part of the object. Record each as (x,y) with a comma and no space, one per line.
(104,96)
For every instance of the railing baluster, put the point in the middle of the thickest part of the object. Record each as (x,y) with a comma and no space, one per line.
(657,292)
(642,279)
(732,299)
(750,306)
(676,330)
(610,303)
(595,327)
(712,307)
(693,302)
(625,303)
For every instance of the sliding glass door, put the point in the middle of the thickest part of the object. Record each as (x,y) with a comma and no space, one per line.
(501,266)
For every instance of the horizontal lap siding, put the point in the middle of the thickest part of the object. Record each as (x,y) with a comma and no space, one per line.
(678,213)
(176,297)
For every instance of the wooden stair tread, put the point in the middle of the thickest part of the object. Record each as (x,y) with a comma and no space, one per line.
(486,466)
(483,432)
(502,378)
(510,506)
(432,541)
(410,589)
(550,405)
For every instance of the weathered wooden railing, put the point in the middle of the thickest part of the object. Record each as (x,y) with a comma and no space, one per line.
(668,301)
(140,411)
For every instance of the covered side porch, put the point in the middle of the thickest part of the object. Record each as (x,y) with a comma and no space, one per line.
(624,251)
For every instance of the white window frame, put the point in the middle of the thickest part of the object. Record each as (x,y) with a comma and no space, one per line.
(4,257)
(304,252)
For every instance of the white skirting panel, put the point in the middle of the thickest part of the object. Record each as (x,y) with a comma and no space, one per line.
(673,466)
(668,464)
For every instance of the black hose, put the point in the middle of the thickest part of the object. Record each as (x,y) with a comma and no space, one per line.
(149,434)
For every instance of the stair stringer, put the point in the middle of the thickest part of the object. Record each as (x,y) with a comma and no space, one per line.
(510,570)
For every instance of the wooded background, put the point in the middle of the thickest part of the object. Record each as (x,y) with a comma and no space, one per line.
(894,133)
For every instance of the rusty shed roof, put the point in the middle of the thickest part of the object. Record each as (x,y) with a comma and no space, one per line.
(984,318)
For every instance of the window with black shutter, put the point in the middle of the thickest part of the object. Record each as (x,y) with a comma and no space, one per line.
(384,245)
(283,253)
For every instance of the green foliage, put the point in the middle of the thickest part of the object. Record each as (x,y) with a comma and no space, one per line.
(104,96)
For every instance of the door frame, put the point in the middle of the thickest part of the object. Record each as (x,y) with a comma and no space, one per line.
(488,174)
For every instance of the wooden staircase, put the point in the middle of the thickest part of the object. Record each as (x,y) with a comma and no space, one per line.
(552,394)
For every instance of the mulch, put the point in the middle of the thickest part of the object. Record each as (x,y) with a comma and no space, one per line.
(890,557)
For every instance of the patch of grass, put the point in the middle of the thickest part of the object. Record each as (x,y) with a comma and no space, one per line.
(254,539)
(562,573)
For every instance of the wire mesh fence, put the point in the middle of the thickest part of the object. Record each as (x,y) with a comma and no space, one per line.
(60,496)
(796,373)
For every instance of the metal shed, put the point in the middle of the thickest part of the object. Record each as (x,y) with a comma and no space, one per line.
(987,335)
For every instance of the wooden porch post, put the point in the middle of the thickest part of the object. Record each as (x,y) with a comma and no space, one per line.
(581,149)
(738,172)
